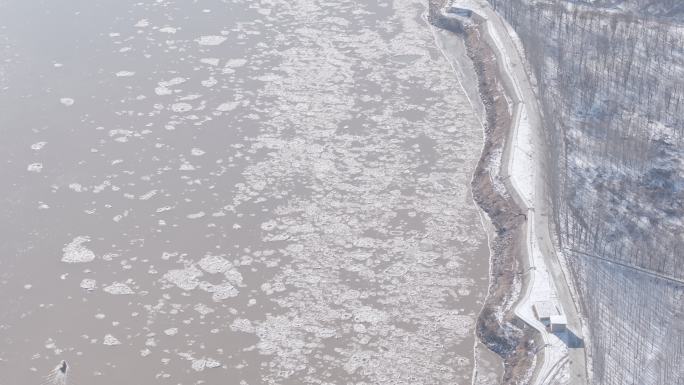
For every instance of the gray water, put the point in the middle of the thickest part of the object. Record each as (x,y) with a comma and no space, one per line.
(203,192)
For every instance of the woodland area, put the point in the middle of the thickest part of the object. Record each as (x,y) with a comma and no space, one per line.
(610,76)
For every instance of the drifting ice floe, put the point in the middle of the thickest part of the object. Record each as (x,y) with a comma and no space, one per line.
(88,284)
(111,340)
(75,252)
(185,279)
(38,145)
(201,364)
(227,106)
(212,61)
(118,288)
(210,40)
(181,107)
(214,264)
(236,62)
(35,167)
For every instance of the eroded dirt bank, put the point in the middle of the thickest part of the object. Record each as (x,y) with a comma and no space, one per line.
(497,326)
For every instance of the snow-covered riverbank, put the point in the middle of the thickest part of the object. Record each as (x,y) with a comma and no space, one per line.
(521,171)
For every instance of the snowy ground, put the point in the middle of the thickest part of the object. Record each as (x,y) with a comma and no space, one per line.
(522,168)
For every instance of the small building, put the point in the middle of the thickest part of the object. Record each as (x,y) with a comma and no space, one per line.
(544,310)
(458,11)
(558,323)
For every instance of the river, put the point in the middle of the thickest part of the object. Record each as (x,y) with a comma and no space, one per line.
(272,192)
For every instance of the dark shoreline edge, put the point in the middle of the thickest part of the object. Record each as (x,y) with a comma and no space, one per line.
(497,326)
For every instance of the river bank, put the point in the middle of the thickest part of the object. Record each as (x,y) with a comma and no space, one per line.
(517,170)
(498,327)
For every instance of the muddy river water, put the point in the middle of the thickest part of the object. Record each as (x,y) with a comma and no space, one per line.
(245,192)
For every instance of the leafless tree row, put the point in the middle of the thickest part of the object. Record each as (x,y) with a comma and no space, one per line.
(612,90)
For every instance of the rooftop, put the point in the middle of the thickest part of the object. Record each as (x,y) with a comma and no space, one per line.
(545,309)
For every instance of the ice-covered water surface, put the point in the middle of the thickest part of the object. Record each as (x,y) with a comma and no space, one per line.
(272,192)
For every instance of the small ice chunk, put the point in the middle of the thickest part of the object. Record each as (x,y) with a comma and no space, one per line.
(211,363)
(210,40)
(202,363)
(221,291)
(369,314)
(110,340)
(75,252)
(242,325)
(185,279)
(148,195)
(67,101)
(173,82)
(203,309)
(168,30)
(161,91)
(212,61)
(38,145)
(35,167)
(181,107)
(186,167)
(118,288)
(88,284)
(214,264)
(197,151)
(163,86)
(236,63)
(209,82)
(229,106)
(124,74)
(171,331)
